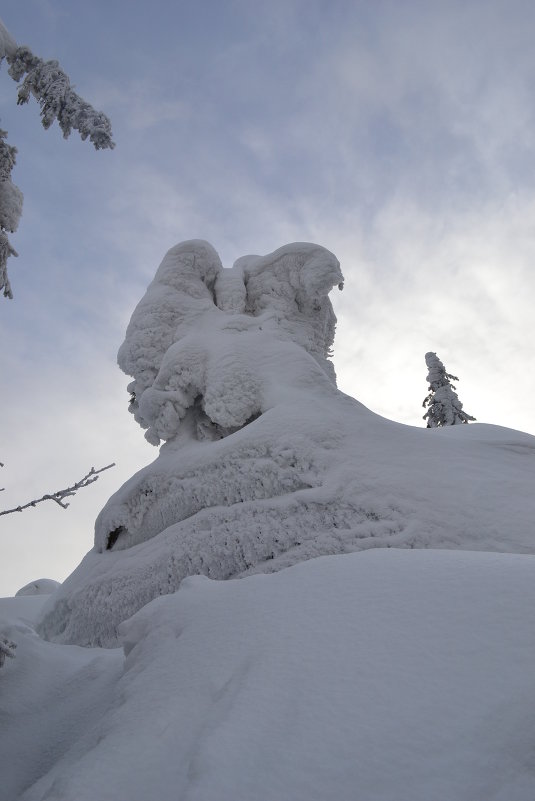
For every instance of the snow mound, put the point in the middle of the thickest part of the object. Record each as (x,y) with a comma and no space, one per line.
(344,677)
(41,586)
(266,462)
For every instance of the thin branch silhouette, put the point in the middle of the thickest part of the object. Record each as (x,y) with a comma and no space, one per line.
(60,495)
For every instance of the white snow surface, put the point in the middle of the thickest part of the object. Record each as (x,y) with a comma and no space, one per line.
(390,675)
(266,462)
(42,586)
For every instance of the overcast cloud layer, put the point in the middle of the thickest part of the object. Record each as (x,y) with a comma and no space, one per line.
(398,135)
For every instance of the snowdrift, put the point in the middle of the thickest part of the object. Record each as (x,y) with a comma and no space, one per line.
(391,675)
(265,463)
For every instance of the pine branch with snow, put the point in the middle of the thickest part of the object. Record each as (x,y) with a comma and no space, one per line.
(51,87)
(443,405)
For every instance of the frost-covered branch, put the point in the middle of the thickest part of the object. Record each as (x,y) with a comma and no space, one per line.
(51,87)
(7,650)
(60,495)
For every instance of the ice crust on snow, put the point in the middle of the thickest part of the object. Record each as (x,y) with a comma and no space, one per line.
(266,462)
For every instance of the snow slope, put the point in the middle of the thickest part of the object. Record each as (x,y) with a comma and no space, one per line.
(390,675)
(266,463)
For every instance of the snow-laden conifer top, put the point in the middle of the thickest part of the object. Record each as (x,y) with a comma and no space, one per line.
(444,406)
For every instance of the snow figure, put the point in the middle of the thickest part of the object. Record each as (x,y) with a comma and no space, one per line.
(264,462)
(202,345)
(444,407)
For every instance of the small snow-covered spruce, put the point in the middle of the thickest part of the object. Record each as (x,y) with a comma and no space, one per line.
(443,406)
(47,82)
(7,650)
(60,495)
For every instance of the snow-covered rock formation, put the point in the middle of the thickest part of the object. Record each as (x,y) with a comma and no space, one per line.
(265,463)
(205,346)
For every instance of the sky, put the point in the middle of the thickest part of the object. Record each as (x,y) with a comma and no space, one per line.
(401,136)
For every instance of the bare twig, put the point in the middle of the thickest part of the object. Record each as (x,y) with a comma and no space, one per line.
(59,496)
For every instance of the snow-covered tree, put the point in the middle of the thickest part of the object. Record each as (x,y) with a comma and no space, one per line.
(51,87)
(443,406)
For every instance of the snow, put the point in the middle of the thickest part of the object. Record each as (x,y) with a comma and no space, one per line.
(386,675)
(42,586)
(298,599)
(184,340)
(48,696)
(339,480)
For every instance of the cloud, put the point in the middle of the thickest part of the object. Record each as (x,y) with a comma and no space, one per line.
(141,104)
